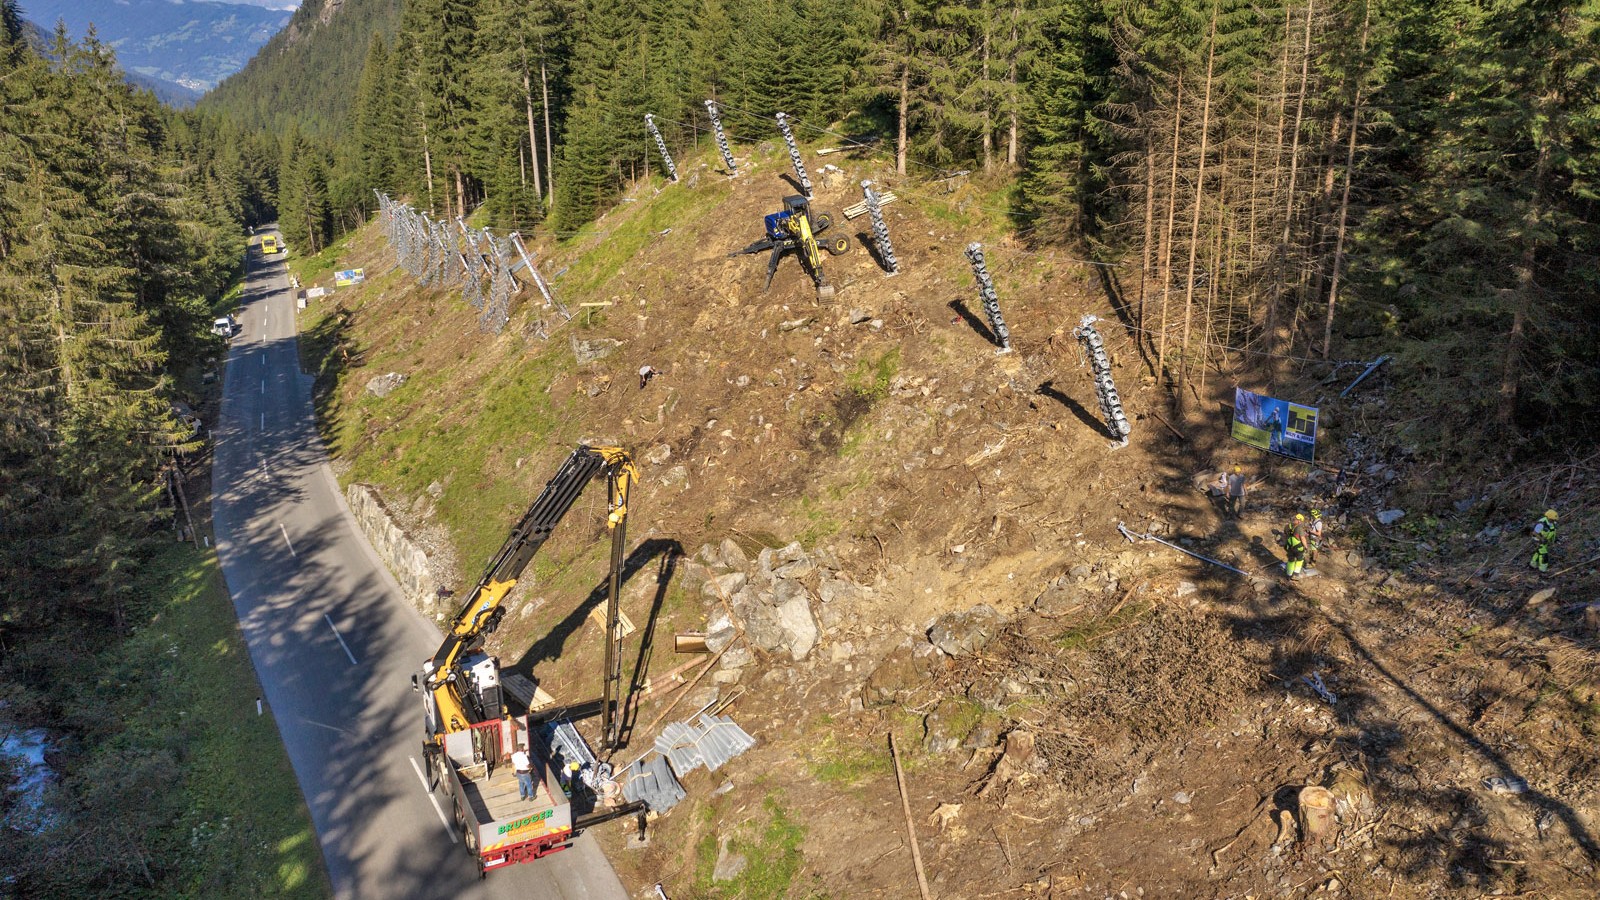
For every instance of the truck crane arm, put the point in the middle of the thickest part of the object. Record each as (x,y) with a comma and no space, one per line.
(481,614)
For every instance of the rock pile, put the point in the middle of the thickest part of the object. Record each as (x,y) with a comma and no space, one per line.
(783,601)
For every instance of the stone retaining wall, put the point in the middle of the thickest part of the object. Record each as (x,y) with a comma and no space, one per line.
(406,561)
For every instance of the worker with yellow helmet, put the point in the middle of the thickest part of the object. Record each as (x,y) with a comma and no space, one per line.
(1294,545)
(1234,503)
(1544,531)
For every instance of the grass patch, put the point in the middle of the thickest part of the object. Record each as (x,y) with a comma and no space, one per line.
(870,379)
(818,522)
(174,786)
(240,791)
(772,853)
(628,235)
(976,206)
(432,434)
(310,268)
(848,764)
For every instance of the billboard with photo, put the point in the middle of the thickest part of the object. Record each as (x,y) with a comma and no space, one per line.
(349,277)
(1276,426)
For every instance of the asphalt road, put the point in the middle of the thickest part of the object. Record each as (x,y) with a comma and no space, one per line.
(335,644)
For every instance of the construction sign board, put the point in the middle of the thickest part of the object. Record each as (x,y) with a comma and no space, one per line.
(1276,426)
(349,277)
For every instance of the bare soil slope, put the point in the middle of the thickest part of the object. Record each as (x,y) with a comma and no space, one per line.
(1129,721)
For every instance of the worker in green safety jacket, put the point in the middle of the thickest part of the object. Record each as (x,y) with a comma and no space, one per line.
(1544,531)
(1294,544)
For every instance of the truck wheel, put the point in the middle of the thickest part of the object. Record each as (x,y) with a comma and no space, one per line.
(469,838)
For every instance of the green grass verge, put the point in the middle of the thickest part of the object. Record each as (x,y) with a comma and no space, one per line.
(244,826)
(310,268)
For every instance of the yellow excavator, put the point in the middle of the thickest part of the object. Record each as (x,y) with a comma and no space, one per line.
(794,228)
(470,739)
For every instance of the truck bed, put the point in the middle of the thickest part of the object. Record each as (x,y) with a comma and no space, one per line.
(495,798)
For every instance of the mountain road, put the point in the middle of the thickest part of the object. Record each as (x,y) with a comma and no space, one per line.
(335,643)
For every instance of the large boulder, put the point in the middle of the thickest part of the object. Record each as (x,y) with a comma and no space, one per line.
(965,633)
(800,632)
(720,633)
(832,589)
(732,555)
(723,587)
(763,626)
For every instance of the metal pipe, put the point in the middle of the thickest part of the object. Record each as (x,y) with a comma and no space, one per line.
(1150,537)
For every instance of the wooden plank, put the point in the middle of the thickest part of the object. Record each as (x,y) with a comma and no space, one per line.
(624,624)
(860,209)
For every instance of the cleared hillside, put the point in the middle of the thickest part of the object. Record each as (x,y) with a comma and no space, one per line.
(1127,719)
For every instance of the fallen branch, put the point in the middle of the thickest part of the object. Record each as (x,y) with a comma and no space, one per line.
(911,827)
(1181,436)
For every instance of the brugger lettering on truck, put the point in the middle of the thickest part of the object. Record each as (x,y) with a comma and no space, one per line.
(525,822)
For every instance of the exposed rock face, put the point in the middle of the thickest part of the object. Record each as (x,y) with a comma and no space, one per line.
(965,633)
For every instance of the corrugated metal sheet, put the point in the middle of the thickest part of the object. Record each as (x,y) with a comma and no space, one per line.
(715,741)
(654,783)
(721,740)
(565,740)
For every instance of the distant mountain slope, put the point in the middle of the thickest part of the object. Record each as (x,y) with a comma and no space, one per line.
(168,92)
(195,44)
(307,73)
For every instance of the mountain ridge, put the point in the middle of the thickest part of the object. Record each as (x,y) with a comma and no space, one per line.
(193,45)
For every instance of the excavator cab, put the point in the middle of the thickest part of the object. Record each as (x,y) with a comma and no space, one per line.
(795,228)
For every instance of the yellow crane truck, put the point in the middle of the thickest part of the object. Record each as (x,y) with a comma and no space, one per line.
(470,736)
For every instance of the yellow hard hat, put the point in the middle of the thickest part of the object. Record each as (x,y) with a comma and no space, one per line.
(1550,514)
(1299,517)
(1316,514)
(1236,469)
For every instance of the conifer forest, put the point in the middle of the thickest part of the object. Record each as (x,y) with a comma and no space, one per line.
(1426,167)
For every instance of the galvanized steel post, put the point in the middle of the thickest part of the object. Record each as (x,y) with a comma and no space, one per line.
(991,302)
(880,229)
(1104,387)
(650,122)
(794,155)
(722,139)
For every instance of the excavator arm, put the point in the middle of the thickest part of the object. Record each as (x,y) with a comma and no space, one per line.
(481,614)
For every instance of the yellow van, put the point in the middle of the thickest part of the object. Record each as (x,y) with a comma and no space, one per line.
(269,244)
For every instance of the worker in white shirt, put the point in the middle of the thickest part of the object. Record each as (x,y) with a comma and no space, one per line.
(523,766)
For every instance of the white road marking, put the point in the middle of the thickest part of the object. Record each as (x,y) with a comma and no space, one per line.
(263,421)
(263,385)
(287,541)
(443,819)
(341,640)
(263,360)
